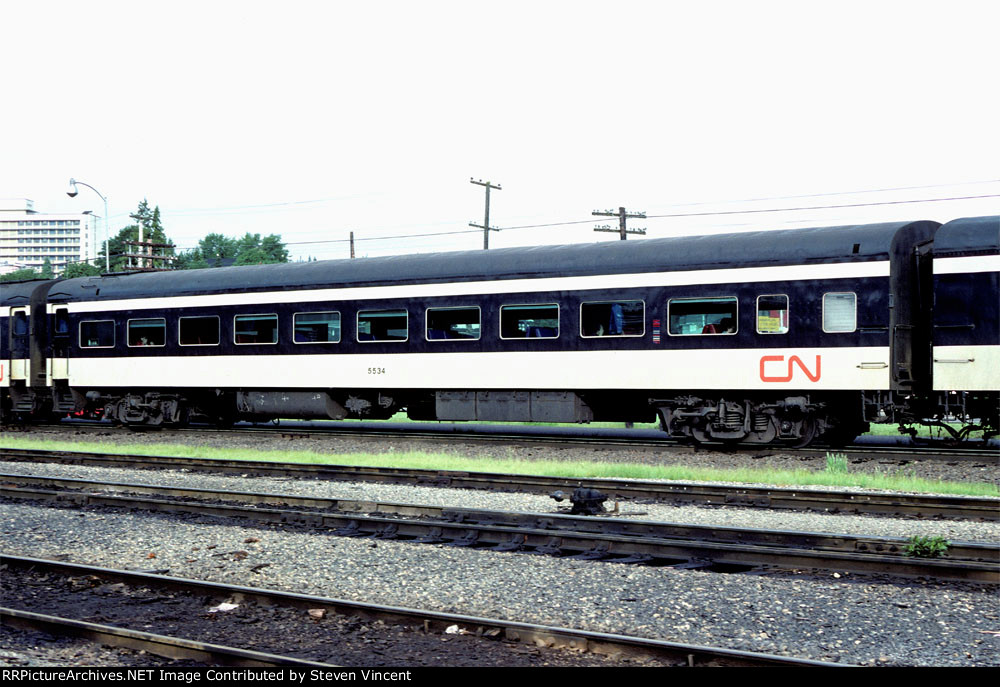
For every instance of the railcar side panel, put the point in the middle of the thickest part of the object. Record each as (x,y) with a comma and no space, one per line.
(802,356)
(966,339)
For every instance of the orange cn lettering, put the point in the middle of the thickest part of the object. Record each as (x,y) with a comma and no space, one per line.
(794,360)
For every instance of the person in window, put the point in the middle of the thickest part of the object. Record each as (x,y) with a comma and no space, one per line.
(727,326)
(617,324)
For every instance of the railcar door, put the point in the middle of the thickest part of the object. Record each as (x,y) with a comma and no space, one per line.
(20,343)
(60,344)
(911,335)
(910,301)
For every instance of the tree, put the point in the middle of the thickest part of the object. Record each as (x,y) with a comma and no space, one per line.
(192,260)
(253,250)
(274,248)
(80,269)
(47,272)
(152,232)
(20,275)
(250,249)
(216,247)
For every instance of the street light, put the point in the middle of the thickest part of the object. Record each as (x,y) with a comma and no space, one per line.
(107,233)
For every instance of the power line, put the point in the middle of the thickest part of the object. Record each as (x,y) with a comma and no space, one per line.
(758,211)
(842,193)
(664,216)
(719,202)
(825,207)
(622,216)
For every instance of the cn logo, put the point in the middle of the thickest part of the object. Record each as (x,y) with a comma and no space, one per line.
(789,370)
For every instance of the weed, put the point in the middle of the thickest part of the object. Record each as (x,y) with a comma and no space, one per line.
(919,546)
(836,463)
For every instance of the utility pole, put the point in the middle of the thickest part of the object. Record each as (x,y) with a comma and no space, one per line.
(146,257)
(485,226)
(622,216)
(352,244)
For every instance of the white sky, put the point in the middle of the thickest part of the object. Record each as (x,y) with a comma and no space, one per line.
(312,119)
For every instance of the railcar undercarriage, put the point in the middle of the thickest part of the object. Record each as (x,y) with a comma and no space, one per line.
(708,417)
(955,414)
(793,420)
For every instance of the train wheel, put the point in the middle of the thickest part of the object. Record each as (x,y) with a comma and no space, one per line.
(807,435)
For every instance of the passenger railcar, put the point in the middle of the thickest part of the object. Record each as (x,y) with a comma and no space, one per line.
(966,321)
(759,337)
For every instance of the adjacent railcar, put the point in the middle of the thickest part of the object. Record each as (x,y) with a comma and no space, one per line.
(25,372)
(759,337)
(966,323)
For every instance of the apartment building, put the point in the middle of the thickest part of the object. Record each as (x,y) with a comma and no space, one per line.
(28,237)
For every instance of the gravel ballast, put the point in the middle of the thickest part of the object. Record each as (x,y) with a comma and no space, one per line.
(758,518)
(849,619)
(862,621)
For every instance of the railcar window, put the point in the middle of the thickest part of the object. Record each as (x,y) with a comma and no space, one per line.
(691,316)
(612,318)
(198,330)
(383,325)
(840,312)
(772,314)
(255,329)
(462,324)
(97,334)
(529,321)
(316,327)
(147,332)
(20,323)
(62,323)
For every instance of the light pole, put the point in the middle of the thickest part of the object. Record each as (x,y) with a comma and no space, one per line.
(107,233)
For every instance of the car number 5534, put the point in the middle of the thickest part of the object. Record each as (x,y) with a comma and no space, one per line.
(376,370)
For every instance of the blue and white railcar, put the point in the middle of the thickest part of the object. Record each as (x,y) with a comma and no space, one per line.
(25,367)
(757,336)
(966,314)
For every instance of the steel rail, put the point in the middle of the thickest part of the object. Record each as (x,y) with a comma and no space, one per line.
(620,525)
(158,645)
(581,640)
(687,545)
(925,506)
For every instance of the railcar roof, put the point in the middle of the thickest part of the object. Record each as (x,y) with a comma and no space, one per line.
(18,293)
(967,236)
(750,249)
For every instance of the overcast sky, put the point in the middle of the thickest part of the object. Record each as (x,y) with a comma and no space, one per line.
(312,119)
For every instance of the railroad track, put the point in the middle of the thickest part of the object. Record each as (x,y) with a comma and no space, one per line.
(617,540)
(156,644)
(562,437)
(913,505)
(474,628)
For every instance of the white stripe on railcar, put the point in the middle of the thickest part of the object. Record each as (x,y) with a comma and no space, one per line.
(761,369)
(847,270)
(967,264)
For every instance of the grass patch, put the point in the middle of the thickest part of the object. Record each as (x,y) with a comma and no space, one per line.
(891,430)
(919,546)
(836,464)
(887,480)
(877,430)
